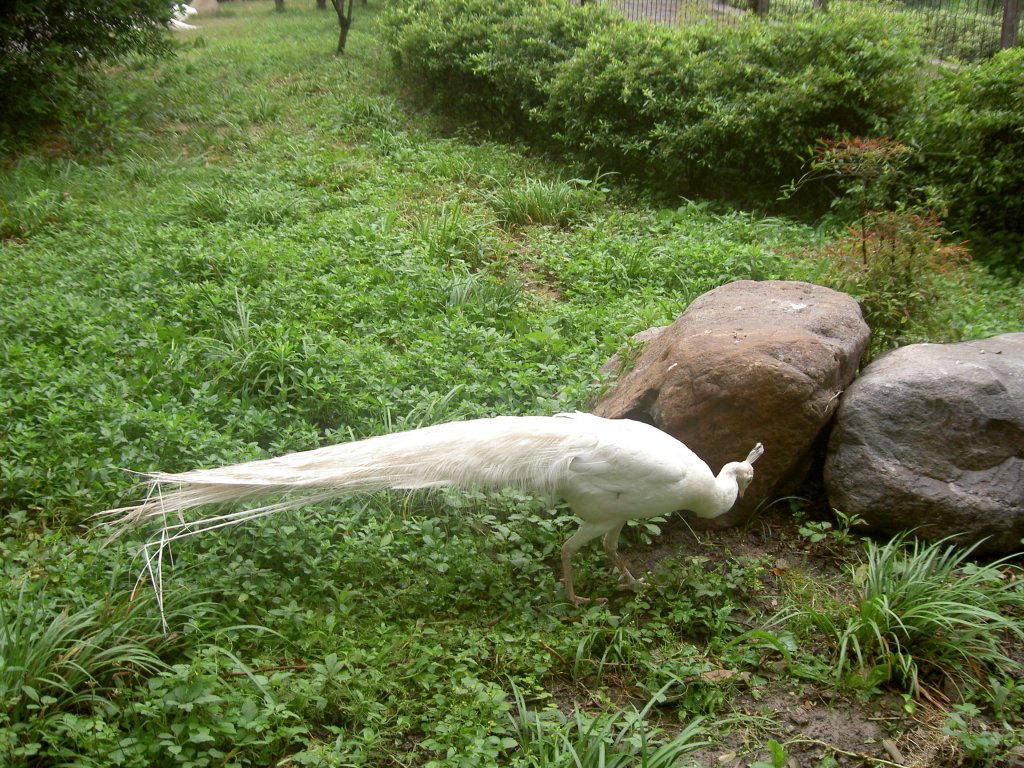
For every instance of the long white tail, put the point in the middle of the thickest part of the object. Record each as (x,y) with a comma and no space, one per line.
(530,452)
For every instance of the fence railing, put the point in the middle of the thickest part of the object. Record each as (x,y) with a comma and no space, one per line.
(963,29)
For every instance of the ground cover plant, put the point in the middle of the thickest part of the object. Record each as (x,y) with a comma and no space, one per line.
(271,249)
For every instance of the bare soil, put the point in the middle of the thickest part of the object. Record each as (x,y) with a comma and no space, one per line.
(816,725)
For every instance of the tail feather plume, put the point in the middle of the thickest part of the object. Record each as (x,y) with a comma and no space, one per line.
(530,452)
(609,471)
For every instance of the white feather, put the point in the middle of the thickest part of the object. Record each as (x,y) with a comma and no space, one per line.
(609,471)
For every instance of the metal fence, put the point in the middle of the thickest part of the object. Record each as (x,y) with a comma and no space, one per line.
(963,29)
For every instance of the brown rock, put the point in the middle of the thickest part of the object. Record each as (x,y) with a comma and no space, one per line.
(747,362)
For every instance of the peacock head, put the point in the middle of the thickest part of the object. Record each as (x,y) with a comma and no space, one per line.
(744,470)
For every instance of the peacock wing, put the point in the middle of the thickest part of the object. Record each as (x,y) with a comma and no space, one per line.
(633,469)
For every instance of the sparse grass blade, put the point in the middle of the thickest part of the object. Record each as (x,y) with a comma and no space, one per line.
(618,739)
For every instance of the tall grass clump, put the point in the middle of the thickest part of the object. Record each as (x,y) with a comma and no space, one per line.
(926,610)
(620,739)
(451,235)
(544,201)
(60,660)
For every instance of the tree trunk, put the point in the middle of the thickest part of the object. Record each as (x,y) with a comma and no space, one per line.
(1011,24)
(279,5)
(344,21)
(321,5)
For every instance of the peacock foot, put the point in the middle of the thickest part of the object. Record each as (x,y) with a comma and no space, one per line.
(628,581)
(572,597)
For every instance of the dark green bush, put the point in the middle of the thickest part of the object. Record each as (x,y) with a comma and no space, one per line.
(612,100)
(704,110)
(490,58)
(718,110)
(48,46)
(968,127)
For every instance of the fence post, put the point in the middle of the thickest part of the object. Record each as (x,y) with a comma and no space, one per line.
(1011,23)
(819,5)
(761,7)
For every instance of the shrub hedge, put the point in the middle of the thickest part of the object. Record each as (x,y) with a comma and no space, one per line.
(732,110)
(724,111)
(48,46)
(488,58)
(967,126)
(704,110)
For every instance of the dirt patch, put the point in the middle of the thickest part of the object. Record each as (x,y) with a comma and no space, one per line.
(814,725)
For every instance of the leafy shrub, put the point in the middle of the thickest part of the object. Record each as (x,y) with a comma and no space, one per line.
(713,109)
(48,46)
(707,109)
(489,57)
(896,266)
(610,100)
(968,126)
(896,259)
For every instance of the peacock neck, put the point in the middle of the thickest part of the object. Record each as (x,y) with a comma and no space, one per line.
(720,496)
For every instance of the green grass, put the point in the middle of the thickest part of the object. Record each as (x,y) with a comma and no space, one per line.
(263,248)
(620,739)
(65,660)
(926,608)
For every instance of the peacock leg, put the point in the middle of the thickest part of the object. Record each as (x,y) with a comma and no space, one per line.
(611,545)
(587,532)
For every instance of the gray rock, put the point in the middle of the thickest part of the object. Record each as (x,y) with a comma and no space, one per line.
(747,362)
(931,437)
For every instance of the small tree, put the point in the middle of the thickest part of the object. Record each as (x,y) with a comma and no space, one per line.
(894,257)
(344,17)
(344,21)
(49,47)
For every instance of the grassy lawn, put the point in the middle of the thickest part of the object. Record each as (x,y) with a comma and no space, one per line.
(257,247)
